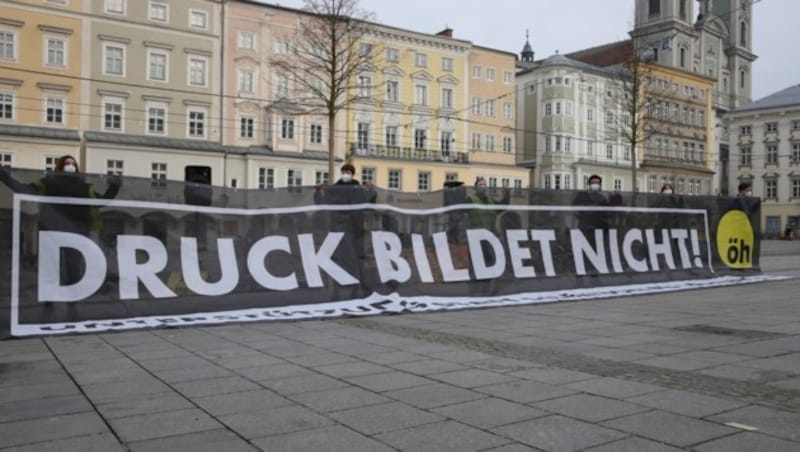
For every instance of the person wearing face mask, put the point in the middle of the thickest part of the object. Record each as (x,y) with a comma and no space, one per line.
(588,221)
(480,218)
(745,201)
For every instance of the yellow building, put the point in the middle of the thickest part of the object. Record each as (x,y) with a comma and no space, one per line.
(40,86)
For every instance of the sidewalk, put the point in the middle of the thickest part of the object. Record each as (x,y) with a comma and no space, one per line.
(710,370)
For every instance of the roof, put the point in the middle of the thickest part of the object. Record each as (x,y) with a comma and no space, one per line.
(52,133)
(564,61)
(784,98)
(606,54)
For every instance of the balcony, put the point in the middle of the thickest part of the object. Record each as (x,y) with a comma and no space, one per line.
(674,157)
(406,153)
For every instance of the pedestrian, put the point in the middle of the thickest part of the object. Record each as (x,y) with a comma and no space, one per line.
(588,221)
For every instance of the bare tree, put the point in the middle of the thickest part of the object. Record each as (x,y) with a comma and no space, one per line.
(327,56)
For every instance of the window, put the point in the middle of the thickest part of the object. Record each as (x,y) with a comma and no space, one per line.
(447,98)
(609,118)
(392,54)
(197,124)
(618,184)
(610,151)
(294,178)
(156,66)
(7,46)
(548,109)
(743,34)
(246,127)
(115,6)
(197,71)
(156,120)
(795,188)
(6,159)
(421,60)
(54,113)
(421,95)
(476,105)
(362,135)
(364,49)
(796,124)
(445,143)
(447,64)
(450,177)
(247,40)
(419,138)
(508,77)
(321,177)
(266,178)
(490,104)
(772,154)
(49,163)
(741,79)
(391,135)
(558,144)
(744,130)
(490,142)
(548,143)
(424,181)
(476,71)
(476,141)
(115,167)
(159,12)
(490,74)
(746,156)
(6,106)
(158,175)
(114,60)
(245,81)
(567,144)
(315,135)
(368,175)
(771,189)
(198,19)
(282,46)
(683,57)
(287,129)
(590,149)
(771,127)
(508,110)
(112,116)
(392,90)
(282,87)
(395,178)
(364,86)
(508,145)
(55,52)
(590,114)
(547,184)
(682,9)
(795,152)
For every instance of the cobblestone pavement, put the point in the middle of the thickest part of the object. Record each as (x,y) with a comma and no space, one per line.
(709,370)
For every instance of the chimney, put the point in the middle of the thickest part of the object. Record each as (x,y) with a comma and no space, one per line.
(447,33)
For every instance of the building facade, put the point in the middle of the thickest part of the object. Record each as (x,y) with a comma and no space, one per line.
(765,137)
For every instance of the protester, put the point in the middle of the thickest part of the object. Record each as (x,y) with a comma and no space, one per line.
(588,221)
(744,200)
(484,218)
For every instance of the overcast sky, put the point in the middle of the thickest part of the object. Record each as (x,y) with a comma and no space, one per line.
(569,25)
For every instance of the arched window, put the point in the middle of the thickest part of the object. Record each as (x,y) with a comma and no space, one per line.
(741,79)
(682,9)
(655,7)
(683,57)
(743,34)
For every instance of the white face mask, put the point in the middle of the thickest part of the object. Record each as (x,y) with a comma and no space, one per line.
(347,177)
(748,194)
(667,192)
(70,168)
(594,187)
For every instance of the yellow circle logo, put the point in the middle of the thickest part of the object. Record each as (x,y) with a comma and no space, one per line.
(736,240)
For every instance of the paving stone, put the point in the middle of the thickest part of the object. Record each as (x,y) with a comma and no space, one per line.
(304,383)
(590,408)
(143,404)
(428,367)
(471,378)
(338,399)
(352,369)
(322,359)
(250,360)
(744,373)
(634,445)
(613,387)
(788,362)
(782,424)
(791,384)
(686,403)
(122,390)
(10,394)
(489,412)
(558,433)
(504,365)
(525,391)
(193,373)
(207,441)
(552,375)
(173,363)
(391,357)
(512,448)
(240,402)
(50,428)
(375,419)
(214,386)
(460,356)
(273,372)
(113,375)
(285,419)
(747,442)
(388,381)
(43,407)
(433,395)
(101,442)
(324,439)
(670,428)
(158,425)
(442,437)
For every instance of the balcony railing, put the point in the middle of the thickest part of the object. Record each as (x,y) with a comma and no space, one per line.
(683,157)
(407,153)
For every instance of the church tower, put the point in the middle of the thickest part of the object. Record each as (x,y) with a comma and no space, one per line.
(666,28)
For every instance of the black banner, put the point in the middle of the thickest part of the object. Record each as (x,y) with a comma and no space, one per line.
(147,258)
